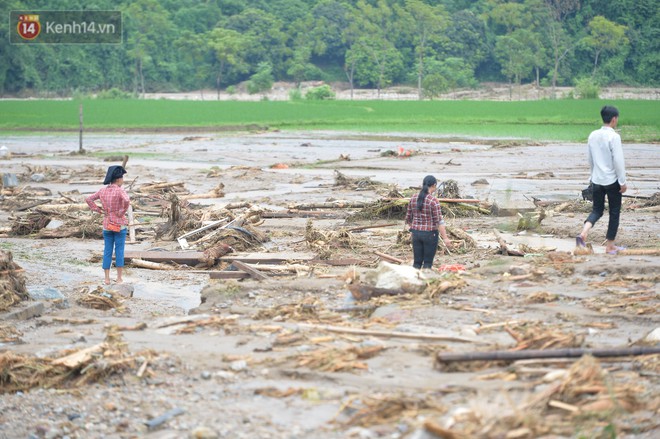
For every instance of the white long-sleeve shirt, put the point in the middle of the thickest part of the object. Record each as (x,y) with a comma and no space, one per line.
(606,157)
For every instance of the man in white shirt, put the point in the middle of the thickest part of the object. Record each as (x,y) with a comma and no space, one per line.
(608,176)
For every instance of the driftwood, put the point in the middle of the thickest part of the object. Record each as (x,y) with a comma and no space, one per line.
(216,192)
(388,334)
(250,270)
(356,229)
(333,205)
(151,265)
(504,249)
(640,252)
(155,186)
(449,357)
(389,258)
(61,208)
(81,357)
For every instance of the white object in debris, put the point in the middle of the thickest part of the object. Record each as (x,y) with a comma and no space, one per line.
(392,276)
(653,336)
(4,151)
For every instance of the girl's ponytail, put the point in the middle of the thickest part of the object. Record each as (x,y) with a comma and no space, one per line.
(429,181)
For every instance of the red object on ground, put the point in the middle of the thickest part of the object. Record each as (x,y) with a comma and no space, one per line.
(452,267)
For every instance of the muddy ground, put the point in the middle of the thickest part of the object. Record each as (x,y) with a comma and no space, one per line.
(283,357)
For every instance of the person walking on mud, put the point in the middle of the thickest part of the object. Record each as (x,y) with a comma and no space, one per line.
(115,203)
(425,221)
(608,178)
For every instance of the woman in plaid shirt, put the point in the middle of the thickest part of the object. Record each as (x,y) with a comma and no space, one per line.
(425,221)
(114,202)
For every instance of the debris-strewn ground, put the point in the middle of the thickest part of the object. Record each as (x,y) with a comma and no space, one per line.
(319,327)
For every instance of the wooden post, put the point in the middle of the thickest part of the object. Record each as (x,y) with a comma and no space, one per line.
(81,150)
(131,225)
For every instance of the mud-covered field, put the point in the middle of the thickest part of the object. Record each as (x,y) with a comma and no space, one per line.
(333,335)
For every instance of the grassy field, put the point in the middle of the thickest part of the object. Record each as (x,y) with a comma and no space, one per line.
(566,120)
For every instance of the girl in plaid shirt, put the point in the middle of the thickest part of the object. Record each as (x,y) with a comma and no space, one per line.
(114,202)
(425,221)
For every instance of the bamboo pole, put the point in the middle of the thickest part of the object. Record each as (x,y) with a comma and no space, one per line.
(388,334)
(450,357)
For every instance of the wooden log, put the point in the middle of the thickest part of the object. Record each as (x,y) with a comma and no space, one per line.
(331,205)
(31,205)
(154,186)
(61,208)
(356,229)
(449,357)
(250,270)
(389,258)
(151,265)
(388,334)
(640,252)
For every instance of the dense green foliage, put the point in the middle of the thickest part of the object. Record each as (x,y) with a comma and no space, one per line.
(543,120)
(435,45)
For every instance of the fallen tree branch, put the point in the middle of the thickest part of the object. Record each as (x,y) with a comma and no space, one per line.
(449,357)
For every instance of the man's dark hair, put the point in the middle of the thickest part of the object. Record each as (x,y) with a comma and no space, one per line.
(608,112)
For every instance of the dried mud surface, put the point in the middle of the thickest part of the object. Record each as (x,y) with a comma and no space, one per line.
(256,359)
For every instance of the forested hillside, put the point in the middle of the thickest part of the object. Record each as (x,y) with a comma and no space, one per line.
(433,45)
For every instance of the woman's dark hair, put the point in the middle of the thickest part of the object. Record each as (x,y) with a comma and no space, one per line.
(429,181)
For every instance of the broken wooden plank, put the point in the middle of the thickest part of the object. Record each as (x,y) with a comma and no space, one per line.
(448,357)
(259,275)
(80,357)
(228,275)
(187,257)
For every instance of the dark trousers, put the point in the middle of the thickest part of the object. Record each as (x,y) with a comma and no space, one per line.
(424,244)
(614,198)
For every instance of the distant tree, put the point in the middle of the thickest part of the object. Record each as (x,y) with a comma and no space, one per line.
(426,23)
(193,49)
(262,80)
(228,48)
(147,27)
(605,36)
(515,59)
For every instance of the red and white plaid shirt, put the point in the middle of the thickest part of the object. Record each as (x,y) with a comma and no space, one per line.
(427,219)
(115,203)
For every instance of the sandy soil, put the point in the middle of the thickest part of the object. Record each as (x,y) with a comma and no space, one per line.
(261,361)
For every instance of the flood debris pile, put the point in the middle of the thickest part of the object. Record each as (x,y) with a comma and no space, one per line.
(356,184)
(326,243)
(74,368)
(12,282)
(99,298)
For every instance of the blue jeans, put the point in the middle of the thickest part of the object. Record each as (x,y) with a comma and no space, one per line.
(116,241)
(614,198)
(425,245)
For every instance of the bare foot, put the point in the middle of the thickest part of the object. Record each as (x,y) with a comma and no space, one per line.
(107,282)
(119,281)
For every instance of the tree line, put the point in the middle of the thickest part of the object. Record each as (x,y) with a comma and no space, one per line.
(435,45)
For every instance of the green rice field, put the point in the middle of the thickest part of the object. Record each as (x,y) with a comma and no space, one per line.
(564,120)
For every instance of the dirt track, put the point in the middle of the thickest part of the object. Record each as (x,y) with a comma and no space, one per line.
(261,364)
